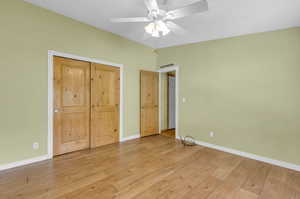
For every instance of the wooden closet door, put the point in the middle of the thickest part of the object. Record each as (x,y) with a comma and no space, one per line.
(105,105)
(71,105)
(149,103)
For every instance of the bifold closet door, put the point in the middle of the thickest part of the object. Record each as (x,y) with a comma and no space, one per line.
(149,103)
(105,100)
(71,105)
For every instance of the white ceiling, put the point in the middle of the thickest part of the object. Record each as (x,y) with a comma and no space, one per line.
(225,18)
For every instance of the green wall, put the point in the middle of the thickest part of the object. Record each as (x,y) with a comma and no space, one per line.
(27,33)
(245,89)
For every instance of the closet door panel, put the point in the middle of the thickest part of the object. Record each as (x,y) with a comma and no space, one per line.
(71,105)
(105,92)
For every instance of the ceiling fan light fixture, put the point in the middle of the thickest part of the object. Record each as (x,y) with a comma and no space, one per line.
(160,20)
(163,28)
(155,34)
(157,28)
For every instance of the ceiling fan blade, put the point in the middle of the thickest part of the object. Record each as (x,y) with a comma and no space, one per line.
(151,5)
(175,28)
(197,7)
(128,20)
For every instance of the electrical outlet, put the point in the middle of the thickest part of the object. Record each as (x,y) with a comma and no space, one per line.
(211,134)
(36,146)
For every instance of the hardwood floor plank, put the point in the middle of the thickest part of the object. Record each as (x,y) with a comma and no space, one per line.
(242,194)
(204,189)
(279,185)
(255,183)
(293,180)
(229,163)
(232,184)
(183,179)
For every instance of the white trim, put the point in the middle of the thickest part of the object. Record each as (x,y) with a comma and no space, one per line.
(23,162)
(136,136)
(165,70)
(97,61)
(251,156)
(50,103)
(159,103)
(169,69)
(52,53)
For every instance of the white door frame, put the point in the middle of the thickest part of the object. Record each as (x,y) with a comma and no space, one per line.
(165,70)
(51,54)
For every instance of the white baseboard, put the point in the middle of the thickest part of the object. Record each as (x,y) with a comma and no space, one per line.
(136,136)
(23,162)
(251,156)
(213,146)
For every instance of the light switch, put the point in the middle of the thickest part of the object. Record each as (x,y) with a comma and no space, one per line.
(183,100)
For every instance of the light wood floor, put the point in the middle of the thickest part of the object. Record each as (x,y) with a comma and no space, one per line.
(149,168)
(169,133)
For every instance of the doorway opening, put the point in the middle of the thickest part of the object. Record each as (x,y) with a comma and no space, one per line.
(158,116)
(168,103)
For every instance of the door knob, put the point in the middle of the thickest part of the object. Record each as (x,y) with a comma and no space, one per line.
(56,110)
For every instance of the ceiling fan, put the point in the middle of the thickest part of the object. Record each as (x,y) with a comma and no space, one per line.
(161,20)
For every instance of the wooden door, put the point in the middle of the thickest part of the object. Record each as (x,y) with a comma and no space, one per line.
(149,103)
(105,105)
(71,105)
